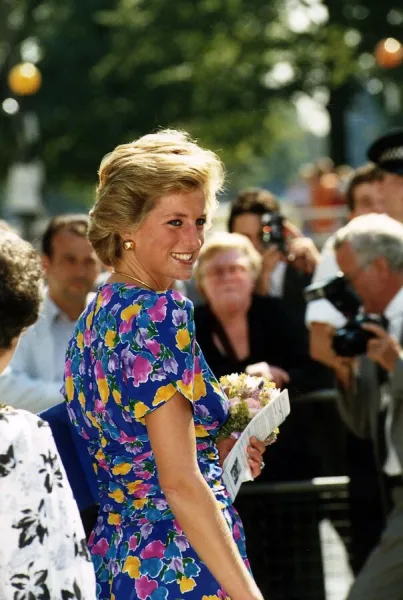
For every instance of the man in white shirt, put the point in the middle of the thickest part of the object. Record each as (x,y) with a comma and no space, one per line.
(35,375)
(369,251)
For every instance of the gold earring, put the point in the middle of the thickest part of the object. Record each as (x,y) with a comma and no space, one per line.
(128,245)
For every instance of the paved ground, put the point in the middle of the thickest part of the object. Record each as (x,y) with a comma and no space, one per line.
(338,576)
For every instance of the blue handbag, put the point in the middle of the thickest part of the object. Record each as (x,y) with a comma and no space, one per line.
(74,455)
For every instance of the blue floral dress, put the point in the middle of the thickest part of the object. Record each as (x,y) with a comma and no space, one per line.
(131,351)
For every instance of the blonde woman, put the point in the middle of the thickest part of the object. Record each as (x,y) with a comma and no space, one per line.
(238,330)
(140,392)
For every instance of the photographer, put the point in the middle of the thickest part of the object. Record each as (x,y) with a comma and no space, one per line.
(369,251)
(363,196)
(289,259)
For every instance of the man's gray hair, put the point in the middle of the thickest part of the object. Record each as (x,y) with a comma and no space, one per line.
(374,236)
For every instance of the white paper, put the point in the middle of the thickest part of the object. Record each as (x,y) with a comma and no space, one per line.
(236,469)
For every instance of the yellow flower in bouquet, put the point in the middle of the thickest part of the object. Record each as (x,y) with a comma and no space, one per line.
(247,395)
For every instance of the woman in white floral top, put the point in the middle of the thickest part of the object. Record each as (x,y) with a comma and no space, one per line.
(43,553)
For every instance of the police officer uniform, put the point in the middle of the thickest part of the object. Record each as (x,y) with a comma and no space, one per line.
(387,152)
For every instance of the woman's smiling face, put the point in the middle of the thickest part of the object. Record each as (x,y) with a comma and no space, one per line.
(168,241)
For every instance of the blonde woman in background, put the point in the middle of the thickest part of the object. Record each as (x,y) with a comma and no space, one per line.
(239,330)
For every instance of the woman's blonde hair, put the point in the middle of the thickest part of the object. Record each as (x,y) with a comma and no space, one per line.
(134,175)
(222,241)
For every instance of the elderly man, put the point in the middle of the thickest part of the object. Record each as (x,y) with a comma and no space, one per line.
(369,251)
(71,267)
(364,195)
(370,190)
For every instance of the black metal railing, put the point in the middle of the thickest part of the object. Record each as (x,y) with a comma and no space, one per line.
(323,395)
(284,544)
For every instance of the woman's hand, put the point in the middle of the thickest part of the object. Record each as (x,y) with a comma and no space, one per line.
(255,452)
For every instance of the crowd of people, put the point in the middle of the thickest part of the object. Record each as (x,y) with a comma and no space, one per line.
(133,476)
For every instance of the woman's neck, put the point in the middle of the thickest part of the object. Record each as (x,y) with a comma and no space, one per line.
(130,269)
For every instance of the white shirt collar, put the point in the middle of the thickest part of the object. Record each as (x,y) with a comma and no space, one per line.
(50,308)
(53,311)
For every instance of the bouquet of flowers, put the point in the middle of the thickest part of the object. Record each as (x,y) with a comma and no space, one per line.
(247,395)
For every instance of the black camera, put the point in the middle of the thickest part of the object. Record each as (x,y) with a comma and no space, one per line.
(273,231)
(338,291)
(350,340)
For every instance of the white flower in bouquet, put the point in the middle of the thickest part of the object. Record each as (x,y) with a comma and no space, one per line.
(247,395)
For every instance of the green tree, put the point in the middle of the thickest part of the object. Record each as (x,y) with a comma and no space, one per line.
(113,71)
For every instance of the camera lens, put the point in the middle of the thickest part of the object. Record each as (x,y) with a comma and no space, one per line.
(351,341)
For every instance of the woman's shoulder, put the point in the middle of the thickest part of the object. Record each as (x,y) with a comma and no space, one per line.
(175,308)
(117,296)
(179,299)
(119,306)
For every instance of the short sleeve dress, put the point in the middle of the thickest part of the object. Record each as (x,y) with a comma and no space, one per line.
(131,351)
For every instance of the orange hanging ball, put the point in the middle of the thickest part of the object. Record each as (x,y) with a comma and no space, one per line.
(24,79)
(389,53)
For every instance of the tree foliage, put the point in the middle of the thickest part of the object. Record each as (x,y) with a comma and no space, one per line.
(113,71)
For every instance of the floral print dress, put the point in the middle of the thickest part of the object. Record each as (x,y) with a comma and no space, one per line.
(131,351)
(43,552)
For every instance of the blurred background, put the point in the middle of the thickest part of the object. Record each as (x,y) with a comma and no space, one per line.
(288,92)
